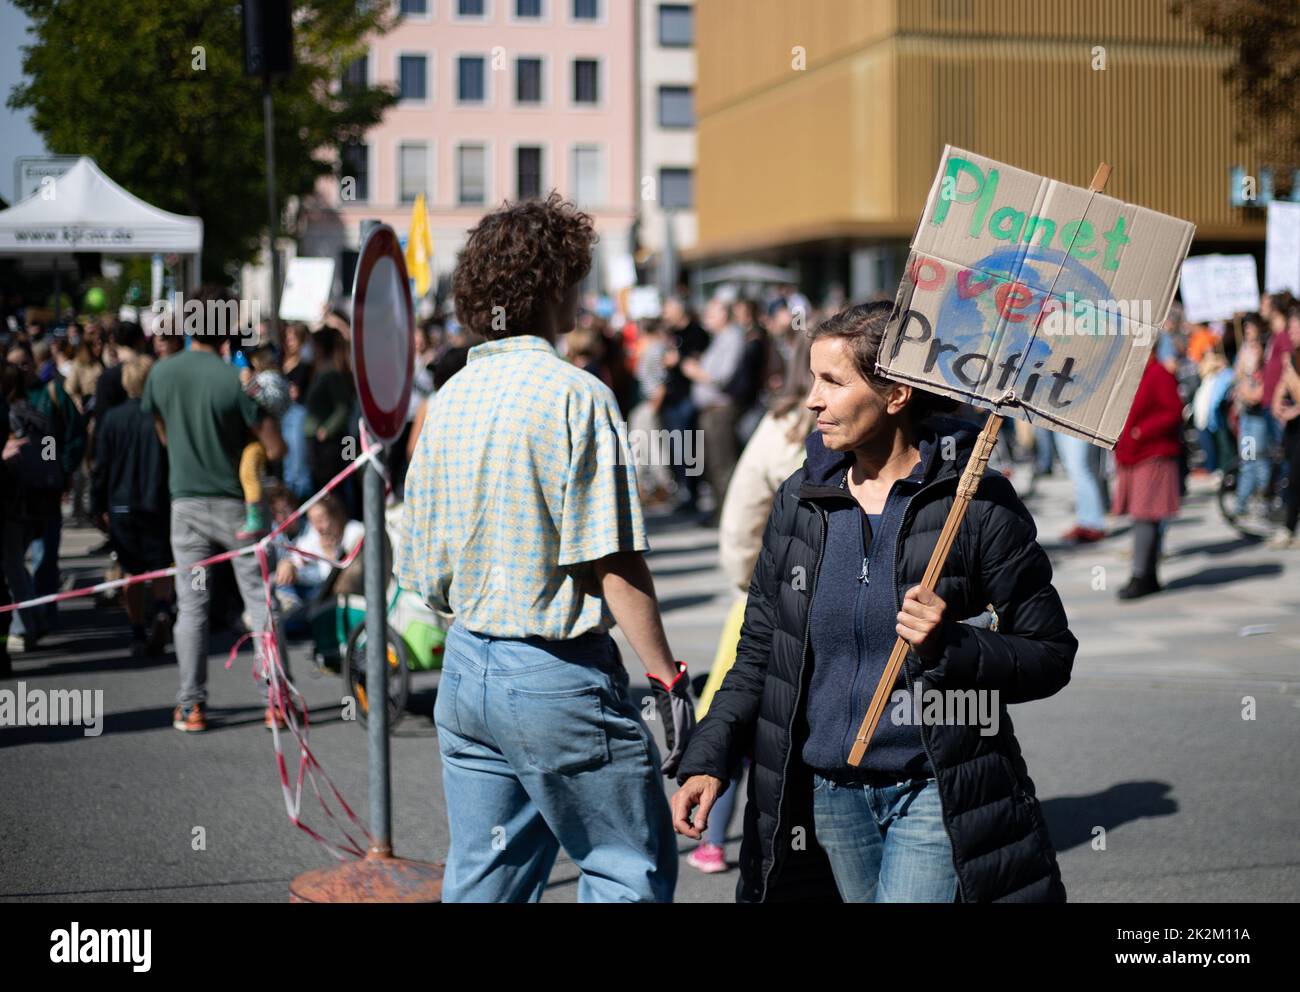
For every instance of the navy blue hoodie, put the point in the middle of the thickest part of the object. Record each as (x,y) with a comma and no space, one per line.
(853,618)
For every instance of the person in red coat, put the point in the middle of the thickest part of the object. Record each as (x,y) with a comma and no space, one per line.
(1147,481)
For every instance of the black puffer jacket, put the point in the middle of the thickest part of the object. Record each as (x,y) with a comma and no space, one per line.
(1001,850)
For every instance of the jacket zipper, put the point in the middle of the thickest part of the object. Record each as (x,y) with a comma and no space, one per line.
(860,609)
(907,677)
(798,695)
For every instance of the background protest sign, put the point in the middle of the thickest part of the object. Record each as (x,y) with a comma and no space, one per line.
(308,286)
(1282,248)
(1217,287)
(1020,284)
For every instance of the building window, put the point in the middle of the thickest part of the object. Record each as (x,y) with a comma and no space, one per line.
(412,171)
(413,77)
(586,10)
(676,189)
(471,8)
(356,74)
(528,8)
(471,175)
(471,85)
(528,80)
(586,81)
(415,6)
(528,168)
(676,25)
(587,176)
(354,164)
(676,106)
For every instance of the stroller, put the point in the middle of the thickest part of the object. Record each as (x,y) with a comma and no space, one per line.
(414,644)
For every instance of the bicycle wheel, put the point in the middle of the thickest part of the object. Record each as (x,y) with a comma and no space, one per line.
(399,676)
(1227,496)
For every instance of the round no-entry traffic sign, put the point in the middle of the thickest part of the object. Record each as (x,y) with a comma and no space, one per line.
(383,332)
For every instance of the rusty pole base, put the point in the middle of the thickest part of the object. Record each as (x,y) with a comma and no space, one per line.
(379,878)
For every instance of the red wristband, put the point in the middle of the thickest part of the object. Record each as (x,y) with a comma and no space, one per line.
(681,670)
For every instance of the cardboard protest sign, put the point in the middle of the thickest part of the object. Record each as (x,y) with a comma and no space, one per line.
(1216,287)
(1031,298)
(1282,248)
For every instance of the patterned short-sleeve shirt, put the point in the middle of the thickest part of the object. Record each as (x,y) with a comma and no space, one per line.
(522,477)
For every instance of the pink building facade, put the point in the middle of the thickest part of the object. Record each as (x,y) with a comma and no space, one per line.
(500,99)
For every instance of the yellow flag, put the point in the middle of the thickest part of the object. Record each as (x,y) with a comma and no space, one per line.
(419,248)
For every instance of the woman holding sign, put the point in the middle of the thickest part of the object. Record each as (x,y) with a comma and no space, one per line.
(942,806)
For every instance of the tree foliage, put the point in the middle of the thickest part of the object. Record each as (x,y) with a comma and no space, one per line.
(155,92)
(1265,73)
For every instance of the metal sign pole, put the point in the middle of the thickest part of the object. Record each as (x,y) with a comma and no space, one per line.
(272,227)
(379,877)
(381,806)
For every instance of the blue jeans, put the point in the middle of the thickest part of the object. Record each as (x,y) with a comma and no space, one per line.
(45,575)
(1252,475)
(1210,449)
(1083,461)
(542,748)
(1044,450)
(886,843)
(723,808)
(297,473)
(681,416)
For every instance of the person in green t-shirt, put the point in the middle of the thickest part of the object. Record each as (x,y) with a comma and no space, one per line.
(205,418)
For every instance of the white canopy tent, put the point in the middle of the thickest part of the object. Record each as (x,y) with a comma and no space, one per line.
(84,210)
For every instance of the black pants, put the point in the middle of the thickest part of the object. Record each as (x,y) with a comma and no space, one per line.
(6,618)
(1146,548)
(1291,443)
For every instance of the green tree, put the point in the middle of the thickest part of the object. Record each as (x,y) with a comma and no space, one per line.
(154,91)
(1265,73)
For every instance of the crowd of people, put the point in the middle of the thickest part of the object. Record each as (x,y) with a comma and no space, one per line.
(1213,400)
(1216,402)
(176,446)
(181,446)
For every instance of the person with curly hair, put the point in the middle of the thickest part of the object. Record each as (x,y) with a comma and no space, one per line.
(523,523)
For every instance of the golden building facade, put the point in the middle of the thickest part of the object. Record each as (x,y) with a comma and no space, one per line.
(821,122)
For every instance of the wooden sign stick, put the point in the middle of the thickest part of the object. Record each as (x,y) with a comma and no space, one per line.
(966,486)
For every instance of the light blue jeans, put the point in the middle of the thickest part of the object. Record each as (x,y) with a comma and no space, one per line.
(297,473)
(1252,475)
(886,843)
(1044,450)
(1083,464)
(542,748)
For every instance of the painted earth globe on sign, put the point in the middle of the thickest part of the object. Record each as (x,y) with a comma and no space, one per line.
(993,310)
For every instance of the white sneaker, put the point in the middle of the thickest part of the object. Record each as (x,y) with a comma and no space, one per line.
(1282,540)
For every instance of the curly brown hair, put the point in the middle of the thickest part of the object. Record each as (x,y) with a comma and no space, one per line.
(519,260)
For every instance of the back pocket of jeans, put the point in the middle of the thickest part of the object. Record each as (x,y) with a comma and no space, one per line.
(561,732)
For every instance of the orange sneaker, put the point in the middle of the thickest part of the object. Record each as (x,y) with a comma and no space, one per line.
(189,719)
(274,717)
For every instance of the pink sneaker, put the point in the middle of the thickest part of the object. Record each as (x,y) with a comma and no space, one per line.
(708,858)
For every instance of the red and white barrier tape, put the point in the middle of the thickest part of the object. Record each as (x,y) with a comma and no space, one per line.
(283,697)
(162,573)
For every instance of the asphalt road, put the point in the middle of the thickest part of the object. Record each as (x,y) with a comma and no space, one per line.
(1154,785)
